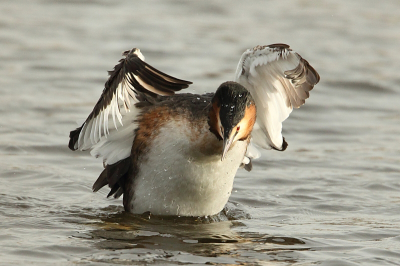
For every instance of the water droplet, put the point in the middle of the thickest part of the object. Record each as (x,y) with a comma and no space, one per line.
(240,95)
(170,177)
(198,98)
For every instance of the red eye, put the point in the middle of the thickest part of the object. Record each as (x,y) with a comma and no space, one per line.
(238,128)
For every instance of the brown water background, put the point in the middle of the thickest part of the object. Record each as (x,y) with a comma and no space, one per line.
(332,198)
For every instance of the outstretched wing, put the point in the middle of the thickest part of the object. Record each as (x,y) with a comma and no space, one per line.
(278,79)
(131,80)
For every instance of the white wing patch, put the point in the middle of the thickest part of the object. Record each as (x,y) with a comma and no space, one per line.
(96,129)
(278,79)
(108,140)
(118,144)
(251,153)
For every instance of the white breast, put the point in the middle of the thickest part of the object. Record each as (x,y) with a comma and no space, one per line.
(182,173)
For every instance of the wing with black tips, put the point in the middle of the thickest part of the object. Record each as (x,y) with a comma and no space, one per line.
(279,80)
(131,78)
(132,81)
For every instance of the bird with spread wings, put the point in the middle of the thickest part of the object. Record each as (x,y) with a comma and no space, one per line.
(277,78)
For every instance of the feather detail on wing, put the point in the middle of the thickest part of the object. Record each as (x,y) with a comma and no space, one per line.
(251,153)
(131,81)
(278,79)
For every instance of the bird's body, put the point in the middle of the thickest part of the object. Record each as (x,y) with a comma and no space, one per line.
(177,154)
(178,160)
(182,173)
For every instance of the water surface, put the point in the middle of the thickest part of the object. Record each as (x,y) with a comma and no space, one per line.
(332,198)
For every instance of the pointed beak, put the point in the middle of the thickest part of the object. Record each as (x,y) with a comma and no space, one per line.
(228,139)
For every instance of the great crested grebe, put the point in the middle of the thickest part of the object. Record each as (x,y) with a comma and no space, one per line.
(178,154)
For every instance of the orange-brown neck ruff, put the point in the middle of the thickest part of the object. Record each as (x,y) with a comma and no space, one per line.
(233,112)
(214,121)
(247,123)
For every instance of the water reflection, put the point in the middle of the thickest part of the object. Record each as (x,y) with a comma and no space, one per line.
(218,239)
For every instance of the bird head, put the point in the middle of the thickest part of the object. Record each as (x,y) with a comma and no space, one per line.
(232,114)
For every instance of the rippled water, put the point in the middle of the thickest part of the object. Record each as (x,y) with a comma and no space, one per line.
(332,198)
